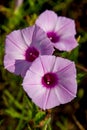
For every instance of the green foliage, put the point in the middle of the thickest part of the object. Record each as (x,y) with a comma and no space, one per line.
(64,125)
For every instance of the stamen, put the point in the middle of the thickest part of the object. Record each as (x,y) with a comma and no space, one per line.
(50,38)
(48,82)
(30,53)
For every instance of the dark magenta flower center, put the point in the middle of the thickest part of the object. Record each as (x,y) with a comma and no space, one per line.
(31,54)
(50,80)
(53,37)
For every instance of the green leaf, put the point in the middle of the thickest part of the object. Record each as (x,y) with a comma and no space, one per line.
(12,99)
(46,124)
(39,116)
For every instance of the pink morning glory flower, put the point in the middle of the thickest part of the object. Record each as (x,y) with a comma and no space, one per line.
(23,47)
(60,30)
(51,81)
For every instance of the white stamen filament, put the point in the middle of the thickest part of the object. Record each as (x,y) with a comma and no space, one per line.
(50,38)
(48,82)
(31,54)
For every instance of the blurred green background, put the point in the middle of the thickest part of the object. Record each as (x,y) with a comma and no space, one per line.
(17,112)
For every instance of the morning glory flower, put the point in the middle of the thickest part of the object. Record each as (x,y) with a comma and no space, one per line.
(51,81)
(23,47)
(60,30)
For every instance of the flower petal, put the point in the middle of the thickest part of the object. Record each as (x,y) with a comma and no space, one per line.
(67,78)
(32,78)
(46,48)
(16,66)
(61,63)
(50,99)
(63,94)
(62,27)
(21,66)
(15,41)
(48,63)
(27,34)
(34,89)
(42,97)
(41,42)
(66,44)
(9,63)
(65,26)
(43,64)
(37,67)
(38,35)
(36,93)
(47,20)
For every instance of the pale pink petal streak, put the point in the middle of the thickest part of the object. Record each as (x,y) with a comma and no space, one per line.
(27,34)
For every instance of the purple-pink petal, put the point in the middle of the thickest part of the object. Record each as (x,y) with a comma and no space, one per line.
(23,47)
(47,20)
(18,67)
(44,64)
(21,66)
(47,99)
(14,39)
(57,91)
(63,94)
(65,26)
(66,43)
(60,30)
(27,34)
(9,63)
(41,42)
